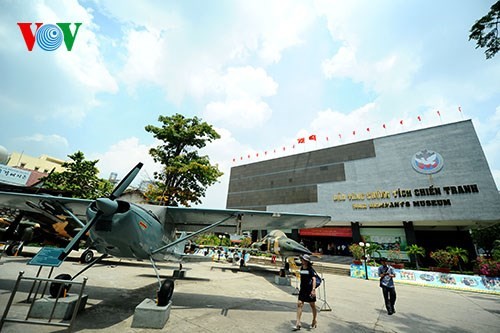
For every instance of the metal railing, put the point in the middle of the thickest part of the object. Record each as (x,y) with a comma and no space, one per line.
(37,282)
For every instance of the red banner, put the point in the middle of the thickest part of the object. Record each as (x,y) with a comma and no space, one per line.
(327,232)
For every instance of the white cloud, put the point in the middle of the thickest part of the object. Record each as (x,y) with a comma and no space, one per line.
(52,139)
(184,56)
(60,84)
(123,156)
(244,88)
(240,113)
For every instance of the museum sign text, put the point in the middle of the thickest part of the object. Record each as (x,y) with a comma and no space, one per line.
(419,197)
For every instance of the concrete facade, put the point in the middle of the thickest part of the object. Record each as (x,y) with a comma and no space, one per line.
(374,183)
(44,163)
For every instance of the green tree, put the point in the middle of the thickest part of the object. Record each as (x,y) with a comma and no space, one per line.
(79,178)
(459,254)
(212,239)
(246,242)
(374,248)
(185,174)
(416,251)
(485,31)
(485,238)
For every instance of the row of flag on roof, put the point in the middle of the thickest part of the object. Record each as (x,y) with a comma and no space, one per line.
(313,137)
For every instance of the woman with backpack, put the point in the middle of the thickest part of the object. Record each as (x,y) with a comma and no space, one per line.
(307,292)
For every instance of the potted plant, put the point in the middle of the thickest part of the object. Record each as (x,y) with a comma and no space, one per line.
(459,254)
(488,267)
(394,257)
(357,253)
(416,251)
(444,259)
(374,248)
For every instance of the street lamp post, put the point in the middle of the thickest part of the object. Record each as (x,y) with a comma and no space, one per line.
(364,246)
(220,237)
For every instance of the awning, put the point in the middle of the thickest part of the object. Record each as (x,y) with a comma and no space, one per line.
(327,232)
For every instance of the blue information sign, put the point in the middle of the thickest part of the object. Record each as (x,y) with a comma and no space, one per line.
(47,256)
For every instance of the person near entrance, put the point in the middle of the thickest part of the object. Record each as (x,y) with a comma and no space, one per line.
(386,273)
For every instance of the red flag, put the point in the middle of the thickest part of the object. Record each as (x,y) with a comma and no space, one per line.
(265,153)
(459,109)
(241,158)
(353,132)
(284,148)
(326,138)
(340,136)
(368,129)
(312,137)
(401,122)
(439,113)
(419,119)
(234,160)
(257,155)
(301,140)
(248,155)
(383,125)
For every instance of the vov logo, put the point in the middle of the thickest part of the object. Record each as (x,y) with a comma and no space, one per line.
(48,36)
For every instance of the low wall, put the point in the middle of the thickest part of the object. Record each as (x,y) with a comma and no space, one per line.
(477,283)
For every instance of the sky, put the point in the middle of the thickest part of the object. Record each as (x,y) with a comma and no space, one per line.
(263,73)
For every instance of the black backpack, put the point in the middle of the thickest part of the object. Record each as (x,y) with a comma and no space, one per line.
(318,279)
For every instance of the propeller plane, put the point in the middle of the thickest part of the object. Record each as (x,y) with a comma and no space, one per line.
(126,230)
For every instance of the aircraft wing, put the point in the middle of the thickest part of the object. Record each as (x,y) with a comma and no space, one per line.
(192,219)
(47,209)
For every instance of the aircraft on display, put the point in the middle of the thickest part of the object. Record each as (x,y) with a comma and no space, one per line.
(278,243)
(126,230)
(42,225)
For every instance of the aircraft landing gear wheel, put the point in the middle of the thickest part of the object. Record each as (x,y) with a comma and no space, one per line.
(55,287)
(13,248)
(165,293)
(87,256)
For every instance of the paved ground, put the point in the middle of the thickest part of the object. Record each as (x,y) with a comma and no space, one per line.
(217,297)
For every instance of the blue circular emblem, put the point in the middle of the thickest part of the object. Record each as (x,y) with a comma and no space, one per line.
(49,37)
(427,162)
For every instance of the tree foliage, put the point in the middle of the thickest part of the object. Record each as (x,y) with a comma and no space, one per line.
(416,251)
(79,178)
(485,31)
(212,239)
(185,175)
(485,238)
(459,254)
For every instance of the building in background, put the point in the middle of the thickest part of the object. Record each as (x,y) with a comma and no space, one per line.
(23,170)
(43,164)
(427,187)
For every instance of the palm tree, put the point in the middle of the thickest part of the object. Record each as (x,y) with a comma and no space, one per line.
(459,254)
(416,250)
(374,248)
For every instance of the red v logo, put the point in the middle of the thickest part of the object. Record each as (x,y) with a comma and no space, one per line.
(28,34)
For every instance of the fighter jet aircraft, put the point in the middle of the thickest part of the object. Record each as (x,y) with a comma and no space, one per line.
(43,224)
(277,243)
(127,230)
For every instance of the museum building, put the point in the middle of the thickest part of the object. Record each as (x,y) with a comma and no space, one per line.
(427,187)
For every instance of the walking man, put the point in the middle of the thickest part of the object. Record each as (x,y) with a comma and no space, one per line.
(386,274)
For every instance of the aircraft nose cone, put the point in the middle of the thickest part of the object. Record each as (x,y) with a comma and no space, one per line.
(106,206)
(289,245)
